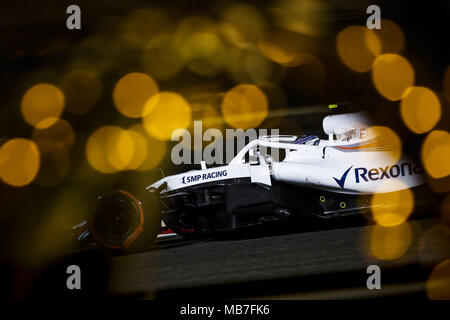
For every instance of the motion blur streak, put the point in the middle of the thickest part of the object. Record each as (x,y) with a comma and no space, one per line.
(358,47)
(438,284)
(435,154)
(387,139)
(392,74)
(392,208)
(245,106)
(281,47)
(420,109)
(302,16)
(19,162)
(132,92)
(389,243)
(434,239)
(164,113)
(42,105)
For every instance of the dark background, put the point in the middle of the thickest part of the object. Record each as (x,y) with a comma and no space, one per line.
(36,46)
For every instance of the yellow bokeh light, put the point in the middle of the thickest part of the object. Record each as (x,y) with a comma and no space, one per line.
(357,47)
(42,105)
(253,67)
(389,243)
(60,131)
(438,284)
(82,90)
(110,149)
(247,20)
(281,47)
(195,37)
(391,37)
(245,106)
(19,162)
(231,34)
(301,16)
(132,92)
(435,154)
(140,150)
(200,46)
(392,74)
(420,109)
(156,149)
(161,57)
(392,208)
(120,149)
(164,113)
(141,25)
(211,118)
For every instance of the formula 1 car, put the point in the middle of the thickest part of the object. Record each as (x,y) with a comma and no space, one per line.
(323,178)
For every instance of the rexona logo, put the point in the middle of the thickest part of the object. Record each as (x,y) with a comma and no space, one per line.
(365,175)
(203,176)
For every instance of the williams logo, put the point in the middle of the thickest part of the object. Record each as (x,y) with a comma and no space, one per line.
(204,176)
(341,181)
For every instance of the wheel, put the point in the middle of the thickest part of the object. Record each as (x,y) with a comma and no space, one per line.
(122,222)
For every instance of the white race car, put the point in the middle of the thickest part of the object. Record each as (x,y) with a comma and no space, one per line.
(317,177)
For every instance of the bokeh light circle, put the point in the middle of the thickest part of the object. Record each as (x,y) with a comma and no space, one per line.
(131,93)
(392,74)
(391,37)
(435,154)
(60,131)
(19,162)
(357,47)
(245,106)
(42,105)
(392,208)
(420,109)
(164,113)
(156,149)
(438,283)
(110,149)
(389,243)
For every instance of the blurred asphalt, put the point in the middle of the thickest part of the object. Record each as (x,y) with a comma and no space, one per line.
(318,264)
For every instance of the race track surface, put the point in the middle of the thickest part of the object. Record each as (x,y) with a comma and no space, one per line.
(327,263)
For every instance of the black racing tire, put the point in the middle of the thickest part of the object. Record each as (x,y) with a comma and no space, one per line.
(122,222)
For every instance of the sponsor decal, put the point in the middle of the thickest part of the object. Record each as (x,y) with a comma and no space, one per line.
(388,172)
(363,174)
(341,181)
(203,176)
